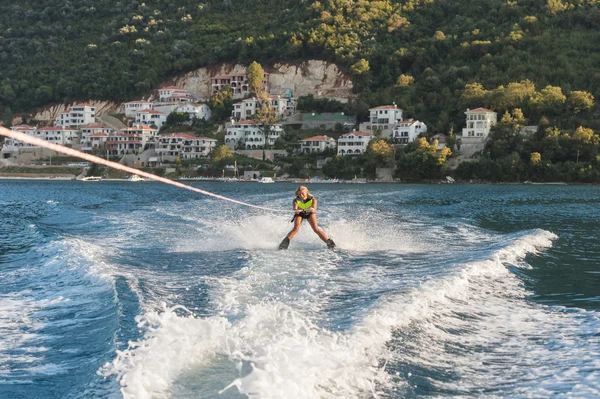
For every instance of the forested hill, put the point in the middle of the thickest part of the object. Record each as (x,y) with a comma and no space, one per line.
(433,57)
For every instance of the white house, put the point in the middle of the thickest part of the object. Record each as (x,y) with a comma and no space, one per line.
(247,108)
(51,134)
(279,104)
(317,144)
(58,135)
(244,110)
(193,110)
(77,115)
(237,82)
(151,117)
(118,144)
(198,147)
(291,106)
(382,118)
(353,143)
(11,146)
(173,94)
(407,131)
(147,134)
(184,146)
(92,129)
(479,122)
(132,107)
(250,134)
(95,140)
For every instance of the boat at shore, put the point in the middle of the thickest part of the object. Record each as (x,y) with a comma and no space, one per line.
(92,178)
(137,178)
(266,180)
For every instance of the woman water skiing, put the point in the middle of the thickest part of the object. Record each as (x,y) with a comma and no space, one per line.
(305,207)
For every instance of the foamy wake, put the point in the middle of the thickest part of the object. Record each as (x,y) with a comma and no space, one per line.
(265,231)
(288,353)
(30,318)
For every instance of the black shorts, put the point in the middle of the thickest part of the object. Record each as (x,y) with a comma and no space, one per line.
(303,215)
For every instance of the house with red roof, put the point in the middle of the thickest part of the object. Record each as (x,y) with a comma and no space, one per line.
(317,144)
(150,117)
(382,119)
(93,135)
(184,146)
(238,83)
(147,134)
(132,107)
(119,144)
(408,131)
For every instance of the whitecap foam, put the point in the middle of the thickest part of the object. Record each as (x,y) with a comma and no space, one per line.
(71,280)
(288,351)
(289,355)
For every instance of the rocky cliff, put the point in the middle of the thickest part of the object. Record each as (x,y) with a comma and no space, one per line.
(319,78)
(49,114)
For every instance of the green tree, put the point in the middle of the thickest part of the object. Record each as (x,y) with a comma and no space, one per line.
(550,99)
(422,161)
(267,116)
(404,80)
(381,153)
(585,135)
(255,74)
(222,153)
(580,101)
(473,95)
(221,104)
(360,67)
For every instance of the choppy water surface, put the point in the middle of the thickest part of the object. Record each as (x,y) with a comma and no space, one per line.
(113,290)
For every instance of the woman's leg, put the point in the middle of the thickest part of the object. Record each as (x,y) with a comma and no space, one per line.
(312,220)
(297,223)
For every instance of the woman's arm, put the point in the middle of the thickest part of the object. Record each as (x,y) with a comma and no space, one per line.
(294,206)
(313,208)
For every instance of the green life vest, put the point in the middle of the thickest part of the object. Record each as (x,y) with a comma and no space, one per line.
(304,205)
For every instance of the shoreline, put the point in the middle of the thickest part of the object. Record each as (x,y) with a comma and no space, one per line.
(302,181)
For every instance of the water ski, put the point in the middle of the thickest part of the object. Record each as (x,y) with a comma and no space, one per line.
(285,243)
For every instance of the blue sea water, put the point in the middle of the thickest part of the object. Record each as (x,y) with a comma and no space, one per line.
(143,290)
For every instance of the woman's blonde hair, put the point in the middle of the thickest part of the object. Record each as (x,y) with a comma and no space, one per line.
(302,188)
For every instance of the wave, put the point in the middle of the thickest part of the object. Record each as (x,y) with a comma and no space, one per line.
(280,348)
(37,316)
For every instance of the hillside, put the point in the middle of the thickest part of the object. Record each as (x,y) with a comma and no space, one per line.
(420,54)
